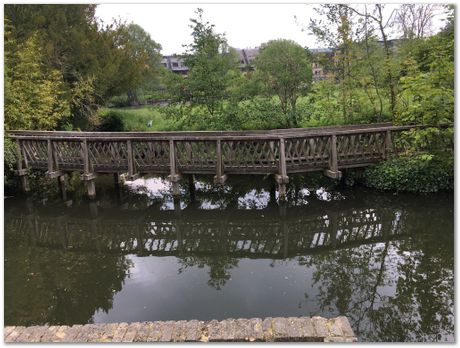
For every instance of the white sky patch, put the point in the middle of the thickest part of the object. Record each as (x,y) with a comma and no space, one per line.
(245,25)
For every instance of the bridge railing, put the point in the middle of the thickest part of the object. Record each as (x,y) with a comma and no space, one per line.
(278,152)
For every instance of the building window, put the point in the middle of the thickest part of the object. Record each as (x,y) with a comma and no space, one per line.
(175,65)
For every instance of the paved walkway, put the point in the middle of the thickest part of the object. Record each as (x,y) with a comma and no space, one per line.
(315,329)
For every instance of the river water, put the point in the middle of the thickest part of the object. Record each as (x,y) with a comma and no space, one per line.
(385,261)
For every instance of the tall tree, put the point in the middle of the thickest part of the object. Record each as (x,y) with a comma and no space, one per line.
(212,64)
(285,69)
(334,26)
(383,23)
(141,58)
(34,94)
(96,61)
(415,20)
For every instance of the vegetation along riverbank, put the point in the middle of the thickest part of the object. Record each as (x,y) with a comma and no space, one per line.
(54,80)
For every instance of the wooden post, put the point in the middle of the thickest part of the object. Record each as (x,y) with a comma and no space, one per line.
(50,157)
(282,179)
(173,177)
(388,144)
(62,187)
(333,171)
(87,176)
(22,172)
(131,174)
(220,177)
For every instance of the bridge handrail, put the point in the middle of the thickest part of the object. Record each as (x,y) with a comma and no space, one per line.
(279,152)
(211,135)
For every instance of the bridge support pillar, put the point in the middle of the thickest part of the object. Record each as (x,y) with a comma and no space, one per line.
(24,180)
(175,184)
(62,187)
(91,187)
(220,177)
(282,181)
(90,184)
(22,172)
(333,172)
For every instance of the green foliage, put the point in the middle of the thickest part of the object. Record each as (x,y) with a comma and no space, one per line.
(9,153)
(417,173)
(212,65)
(84,102)
(82,61)
(284,68)
(140,60)
(111,122)
(138,118)
(34,94)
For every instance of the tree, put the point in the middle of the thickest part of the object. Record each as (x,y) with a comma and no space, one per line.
(415,20)
(335,27)
(383,24)
(427,95)
(285,69)
(34,94)
(212,64)
(96,61)
(140,62)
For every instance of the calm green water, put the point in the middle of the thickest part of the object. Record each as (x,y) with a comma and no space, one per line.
(385,261)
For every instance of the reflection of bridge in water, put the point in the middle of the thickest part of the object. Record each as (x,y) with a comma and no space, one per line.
(266,233)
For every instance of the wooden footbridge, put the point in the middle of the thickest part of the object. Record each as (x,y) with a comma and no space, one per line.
(279,152)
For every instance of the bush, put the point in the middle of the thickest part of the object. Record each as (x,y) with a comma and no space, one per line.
(111,122)
(9,163)
(416,173)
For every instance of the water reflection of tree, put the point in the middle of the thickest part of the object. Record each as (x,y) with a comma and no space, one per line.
(46,286)
(393,291)
(219,267)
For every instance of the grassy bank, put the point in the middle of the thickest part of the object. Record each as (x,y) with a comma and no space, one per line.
(137,118)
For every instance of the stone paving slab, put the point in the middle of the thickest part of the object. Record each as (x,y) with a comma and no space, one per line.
(297,329)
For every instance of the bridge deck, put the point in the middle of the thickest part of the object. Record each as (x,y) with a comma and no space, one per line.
(278,152)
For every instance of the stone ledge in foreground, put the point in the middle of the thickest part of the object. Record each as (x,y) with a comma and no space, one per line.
(294,329)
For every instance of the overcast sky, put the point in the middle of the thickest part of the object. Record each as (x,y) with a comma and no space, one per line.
(245,25)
